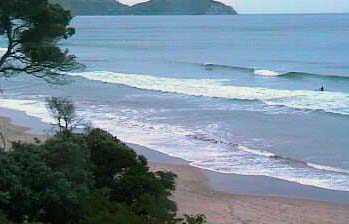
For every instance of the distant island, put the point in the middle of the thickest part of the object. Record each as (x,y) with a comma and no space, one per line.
(152,7)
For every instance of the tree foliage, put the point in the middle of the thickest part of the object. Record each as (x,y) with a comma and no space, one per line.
(32,30)
(194,219)
(87,178)
(62,110)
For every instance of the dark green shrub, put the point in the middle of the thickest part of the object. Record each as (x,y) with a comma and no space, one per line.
(87,178)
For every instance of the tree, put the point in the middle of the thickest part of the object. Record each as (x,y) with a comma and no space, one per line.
(65,179)
(130,181)
(63,112)
(32,30)
(40,182)
(3,219)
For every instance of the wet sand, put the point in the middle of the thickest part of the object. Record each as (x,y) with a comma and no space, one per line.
(251,185)
(197,192)
(14,133)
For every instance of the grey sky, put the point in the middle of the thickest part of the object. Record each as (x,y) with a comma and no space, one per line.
(282,6)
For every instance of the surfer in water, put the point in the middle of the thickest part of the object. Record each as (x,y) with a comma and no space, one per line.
(322,89)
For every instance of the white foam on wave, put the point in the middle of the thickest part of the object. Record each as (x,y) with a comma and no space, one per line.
(256,152)
(32,108)
(272,155)
(334,102)
(173,140)
(262,72)
(327,168)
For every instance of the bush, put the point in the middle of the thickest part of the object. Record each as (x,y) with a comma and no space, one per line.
(3,219)
(87,178)
(195,219)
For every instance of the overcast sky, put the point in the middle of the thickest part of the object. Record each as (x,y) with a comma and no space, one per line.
(282,6)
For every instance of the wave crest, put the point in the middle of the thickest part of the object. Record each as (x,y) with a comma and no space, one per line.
(332,102)
(328,168)
(292,161)
(257,152)
(266,73)
(272,73)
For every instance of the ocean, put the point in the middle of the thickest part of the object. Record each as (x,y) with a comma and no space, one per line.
(232,94)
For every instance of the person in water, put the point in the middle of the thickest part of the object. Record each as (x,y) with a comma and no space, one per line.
(322,88)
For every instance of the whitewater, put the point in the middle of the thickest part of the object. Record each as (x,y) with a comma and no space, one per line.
(216,154)
(334,102)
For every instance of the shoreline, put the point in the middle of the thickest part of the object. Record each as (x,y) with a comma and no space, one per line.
(250,185)
(232,198)
(225,182)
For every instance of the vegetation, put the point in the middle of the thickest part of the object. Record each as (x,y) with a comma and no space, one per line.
(151,7)
(181,7)
(93,7)
(32,30)
(91,178)
(63,112)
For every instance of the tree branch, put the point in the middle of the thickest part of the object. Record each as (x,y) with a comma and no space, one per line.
(8,31)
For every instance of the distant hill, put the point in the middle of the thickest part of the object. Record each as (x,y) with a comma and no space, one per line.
(152,7)
(181,7)
(93,7)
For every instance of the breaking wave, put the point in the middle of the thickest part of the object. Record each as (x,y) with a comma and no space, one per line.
(332,102)
(328,168)
(266,73)
(216,154)
(270,155)
(272,73)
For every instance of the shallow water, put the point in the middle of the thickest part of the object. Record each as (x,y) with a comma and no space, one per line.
(234,94)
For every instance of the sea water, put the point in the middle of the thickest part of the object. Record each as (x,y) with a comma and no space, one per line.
(233,94)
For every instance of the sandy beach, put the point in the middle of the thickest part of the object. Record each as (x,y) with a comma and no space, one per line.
(194,196)
(13,132)
(209,193)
